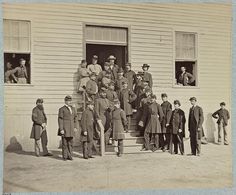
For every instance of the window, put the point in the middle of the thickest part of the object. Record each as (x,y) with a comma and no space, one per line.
(17,68)
(185,59)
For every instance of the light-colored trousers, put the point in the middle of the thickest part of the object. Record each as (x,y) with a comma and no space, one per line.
(220,127)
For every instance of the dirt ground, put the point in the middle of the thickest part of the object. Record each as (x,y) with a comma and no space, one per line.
(24,172)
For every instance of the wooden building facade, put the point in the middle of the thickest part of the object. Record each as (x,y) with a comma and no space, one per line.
(54,38)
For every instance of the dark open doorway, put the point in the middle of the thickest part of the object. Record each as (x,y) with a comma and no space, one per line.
(104,51)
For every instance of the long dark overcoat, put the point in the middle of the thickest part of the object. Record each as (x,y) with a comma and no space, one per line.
(87,124)
(198,119)
(167,111)
(177,121)
(131,77)
(119,123)
(67,121)
(38,118)
(102,106)
(153,114)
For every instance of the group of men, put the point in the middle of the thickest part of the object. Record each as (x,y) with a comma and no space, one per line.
(113,96)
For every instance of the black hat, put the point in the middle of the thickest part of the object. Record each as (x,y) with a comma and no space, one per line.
(222,104)
(177,102)
(128,64)
(116,101)
(145,65)
(22,59)
(95,57)
(192,98)
(120,70)
(106,64)
(68,98)
(164,95)
(83,61)
(39,100)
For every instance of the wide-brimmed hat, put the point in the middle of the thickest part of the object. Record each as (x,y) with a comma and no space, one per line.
(95,57)
(111,57)
(145,65)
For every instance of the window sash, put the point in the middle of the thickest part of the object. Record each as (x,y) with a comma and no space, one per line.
(16,36)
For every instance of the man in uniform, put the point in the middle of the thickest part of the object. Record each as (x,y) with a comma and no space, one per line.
(91,87)
(146,75)
(195,122)
(94,67)
(68,124)
(39,128)
(130,75)
(87,125)
(167,110)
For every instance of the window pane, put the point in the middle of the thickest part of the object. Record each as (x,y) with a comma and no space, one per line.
(6,28)
(7,43)
(24,29)
(24,44)
(15,44)
(15,29)
(185,45)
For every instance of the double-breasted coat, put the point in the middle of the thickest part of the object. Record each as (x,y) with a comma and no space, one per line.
(119,124)
(153,114)
(38,118)
(177,121)
(67,121)
(148,77)
(221,114)
(131,77)
(87,124)
(127,97)
(167,111)
(196,121)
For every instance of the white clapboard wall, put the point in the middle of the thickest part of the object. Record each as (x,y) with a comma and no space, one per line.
(57,47)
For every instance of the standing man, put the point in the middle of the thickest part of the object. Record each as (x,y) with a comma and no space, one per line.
(87,125)
(92,87)
(167,110)
(68,124)
(94,67)
(130,75)
(113,67)
(21,72)
(185,78)
(39,128)
(146,75)
(223,116)
(195,122)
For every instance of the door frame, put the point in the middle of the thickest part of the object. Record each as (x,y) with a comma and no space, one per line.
(128,27)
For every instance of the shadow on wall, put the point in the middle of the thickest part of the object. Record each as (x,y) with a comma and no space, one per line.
(210,128)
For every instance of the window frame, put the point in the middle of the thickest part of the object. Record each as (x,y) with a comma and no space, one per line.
(196,59)
(17,52)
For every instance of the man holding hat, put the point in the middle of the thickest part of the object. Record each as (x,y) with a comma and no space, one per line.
(68,124)
(195,122)
(39,128)
(113,67)
(95,67)
(87,125)
(223,116)
(21,71)
(130,75)
(119,125)
(146,75)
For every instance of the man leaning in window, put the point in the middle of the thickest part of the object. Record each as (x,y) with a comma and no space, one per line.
(185,78)
(21,72)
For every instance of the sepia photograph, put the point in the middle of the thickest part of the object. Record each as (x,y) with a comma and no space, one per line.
(117,96)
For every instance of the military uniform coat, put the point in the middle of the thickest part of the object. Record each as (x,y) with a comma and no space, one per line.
(114,71)
(127,96)
(131,77)
(148,77)
(38,118)
(67,121)
(221,114)
(153,114)
(177,121)
(167,111)
(197,119)
(119,124)
(87,124)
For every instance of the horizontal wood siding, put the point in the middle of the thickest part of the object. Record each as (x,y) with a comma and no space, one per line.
(57,48)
